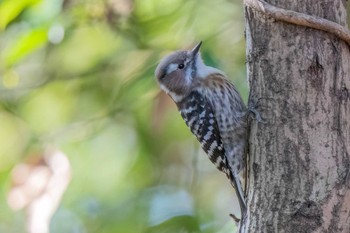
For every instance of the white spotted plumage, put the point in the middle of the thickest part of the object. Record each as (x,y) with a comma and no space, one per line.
(208,135)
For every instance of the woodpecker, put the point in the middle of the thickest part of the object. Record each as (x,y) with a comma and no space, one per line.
(211,107)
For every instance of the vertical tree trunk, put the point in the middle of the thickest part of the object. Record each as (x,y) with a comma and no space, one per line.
(299,159)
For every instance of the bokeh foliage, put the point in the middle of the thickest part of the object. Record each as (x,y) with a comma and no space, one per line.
(79,75)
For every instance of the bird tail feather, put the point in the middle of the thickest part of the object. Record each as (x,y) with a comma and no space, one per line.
(236,183)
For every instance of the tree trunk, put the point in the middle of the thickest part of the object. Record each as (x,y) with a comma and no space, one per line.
(299,158)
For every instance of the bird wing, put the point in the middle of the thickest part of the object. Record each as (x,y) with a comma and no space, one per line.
(200,118)
(216,118)
(230,116)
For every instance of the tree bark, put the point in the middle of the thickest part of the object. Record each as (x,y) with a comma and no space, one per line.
(299,158)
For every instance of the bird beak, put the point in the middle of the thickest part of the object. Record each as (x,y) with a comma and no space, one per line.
(196,48)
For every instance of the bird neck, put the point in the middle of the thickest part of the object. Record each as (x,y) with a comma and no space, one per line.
(204,71)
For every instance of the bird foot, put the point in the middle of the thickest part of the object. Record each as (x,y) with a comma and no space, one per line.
(257,115)
(253,109)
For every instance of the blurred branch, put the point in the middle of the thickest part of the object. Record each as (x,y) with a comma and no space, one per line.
(39,188)
(79,125)
(49,77)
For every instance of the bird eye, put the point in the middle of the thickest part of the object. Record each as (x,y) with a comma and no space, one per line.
(181,66)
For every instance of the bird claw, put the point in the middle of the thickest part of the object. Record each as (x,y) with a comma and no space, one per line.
(252,108)
(257,115)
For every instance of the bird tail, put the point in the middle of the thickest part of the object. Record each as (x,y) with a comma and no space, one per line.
(236,183)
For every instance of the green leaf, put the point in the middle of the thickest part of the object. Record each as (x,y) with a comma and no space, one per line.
(10,9)
(24,45)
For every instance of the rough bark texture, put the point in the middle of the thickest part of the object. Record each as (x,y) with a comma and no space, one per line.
(300,158)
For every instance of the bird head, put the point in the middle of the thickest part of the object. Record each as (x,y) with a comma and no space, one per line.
(177,72)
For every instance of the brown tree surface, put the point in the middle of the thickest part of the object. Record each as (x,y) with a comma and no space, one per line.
(300,157)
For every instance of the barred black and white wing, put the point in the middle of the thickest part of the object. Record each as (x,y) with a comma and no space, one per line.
(200,118)
(216,115)
(230,114)
(231,117)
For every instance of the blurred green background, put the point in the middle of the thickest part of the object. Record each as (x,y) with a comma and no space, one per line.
(79,75)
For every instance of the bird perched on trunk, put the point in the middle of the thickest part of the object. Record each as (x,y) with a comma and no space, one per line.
(212,109)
